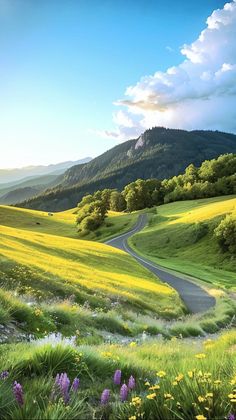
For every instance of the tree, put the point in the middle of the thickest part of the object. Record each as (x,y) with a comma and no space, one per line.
(117,201)
(225,234)
(191,174)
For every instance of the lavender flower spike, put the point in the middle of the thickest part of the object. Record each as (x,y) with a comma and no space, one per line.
(64,387)
(232,417)
(117,377)
(124,392)
(75,384)
(131,383)
(18,393)
(105,396)
(4,374)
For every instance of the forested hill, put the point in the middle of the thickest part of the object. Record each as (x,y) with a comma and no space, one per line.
(157,153)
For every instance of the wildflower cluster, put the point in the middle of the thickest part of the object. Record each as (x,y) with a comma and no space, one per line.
(161,396)
(62,387)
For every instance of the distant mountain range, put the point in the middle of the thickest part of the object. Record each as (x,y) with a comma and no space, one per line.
(157,153)
(22,183)
(16,174)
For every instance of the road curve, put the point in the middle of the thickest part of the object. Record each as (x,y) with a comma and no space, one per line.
(195,298)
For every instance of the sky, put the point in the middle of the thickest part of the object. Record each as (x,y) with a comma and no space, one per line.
(79,76)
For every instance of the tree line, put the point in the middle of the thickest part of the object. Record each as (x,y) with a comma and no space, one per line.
(213,178)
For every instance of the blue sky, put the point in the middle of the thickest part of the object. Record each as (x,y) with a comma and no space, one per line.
(64,63)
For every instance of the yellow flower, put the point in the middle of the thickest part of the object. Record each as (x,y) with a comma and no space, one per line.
(201,417)
(161,374)
(201,399)
(106,354)
(136,401)
(168,397)
(217,382)
(200,356)
(132,344)
(147,383)
(207,374)
(38,312)
(153,387)
(190,374)
(174,383)
(209,395)
(233,381)
(151,396)
(132,418)
(179,377)
(232,396)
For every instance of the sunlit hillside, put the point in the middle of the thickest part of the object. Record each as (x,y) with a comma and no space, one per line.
(46,269)
(180,235)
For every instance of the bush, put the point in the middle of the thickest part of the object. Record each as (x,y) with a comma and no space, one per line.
(90,223)
(225,234)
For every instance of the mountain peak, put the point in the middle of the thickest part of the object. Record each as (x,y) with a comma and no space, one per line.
(157,153)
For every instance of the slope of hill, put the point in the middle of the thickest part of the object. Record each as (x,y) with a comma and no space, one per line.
(46,180)
(19,194)
(180,236)
(158,153)
(54,271)
(26,188)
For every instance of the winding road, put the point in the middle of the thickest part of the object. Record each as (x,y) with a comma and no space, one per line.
(195,297)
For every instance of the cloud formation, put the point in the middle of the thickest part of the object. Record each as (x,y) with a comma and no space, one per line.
(198,93)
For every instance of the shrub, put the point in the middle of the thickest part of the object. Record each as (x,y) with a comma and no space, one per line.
(225,234)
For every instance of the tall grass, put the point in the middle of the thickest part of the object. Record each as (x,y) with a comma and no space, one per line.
(173,380)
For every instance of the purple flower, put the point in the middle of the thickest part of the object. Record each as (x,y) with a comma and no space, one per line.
(124,392)
(64,387)
(131,383)
(231,416)
(18,393)
(61,384)
(105,396)
(117,377)
(4,374)
(75,384)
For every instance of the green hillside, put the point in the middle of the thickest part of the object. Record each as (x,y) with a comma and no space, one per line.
(63,223)
(69,279)
(180,236)
(114,315)
(157,153)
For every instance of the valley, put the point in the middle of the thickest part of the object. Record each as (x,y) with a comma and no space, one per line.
(111,312)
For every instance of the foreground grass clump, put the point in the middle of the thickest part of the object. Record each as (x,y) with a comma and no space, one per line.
(181,236)
(157,379)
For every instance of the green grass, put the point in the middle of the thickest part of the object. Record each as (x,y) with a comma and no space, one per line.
(61,223)
(52,281)
(115,224)
(180,236)
(73,284)
(174,380)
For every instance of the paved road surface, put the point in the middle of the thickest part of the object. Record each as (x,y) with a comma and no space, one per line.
(195,298)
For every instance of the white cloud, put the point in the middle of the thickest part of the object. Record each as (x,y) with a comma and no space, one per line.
(198,93)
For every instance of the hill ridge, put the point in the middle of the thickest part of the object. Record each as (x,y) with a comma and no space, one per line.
(158,153)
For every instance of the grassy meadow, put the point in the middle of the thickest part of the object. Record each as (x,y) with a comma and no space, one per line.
(157,380)
(52,282)
(180,236)
(89,310)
